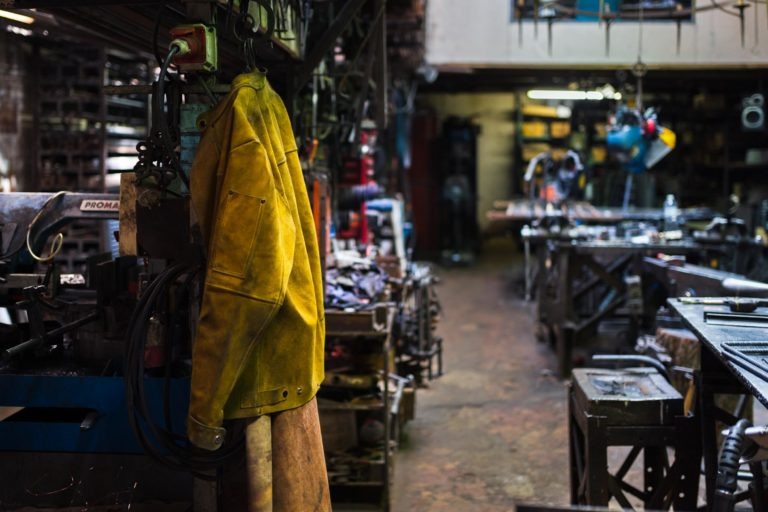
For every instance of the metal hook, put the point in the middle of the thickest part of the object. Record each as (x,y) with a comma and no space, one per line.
(550,22)
(266,5)
(678,10)
(741,5)
(246,25)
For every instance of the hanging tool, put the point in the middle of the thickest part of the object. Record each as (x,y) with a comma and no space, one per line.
(246,30)
(536,19)
(158,164)
(607,32)
(741,5)
(639,70)
(520,10)
(679,22)
(550,22)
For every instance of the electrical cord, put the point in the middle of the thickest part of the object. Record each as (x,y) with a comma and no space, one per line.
(58,241)
(156,31)
(728,467)
(158,440)
(158,106)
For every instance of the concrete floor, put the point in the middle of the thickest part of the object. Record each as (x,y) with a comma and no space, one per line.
(492,431)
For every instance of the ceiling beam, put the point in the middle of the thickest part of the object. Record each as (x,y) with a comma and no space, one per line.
(328,39)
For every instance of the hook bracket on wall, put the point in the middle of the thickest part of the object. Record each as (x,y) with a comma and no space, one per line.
(550,22)
(741,5)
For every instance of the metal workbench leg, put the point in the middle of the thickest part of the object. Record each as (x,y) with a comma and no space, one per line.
(575,452)
(688,456)
(708,440)
(564,340)
(596,465)
(654,458)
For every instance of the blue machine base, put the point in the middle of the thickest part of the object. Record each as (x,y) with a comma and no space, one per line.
(55,408)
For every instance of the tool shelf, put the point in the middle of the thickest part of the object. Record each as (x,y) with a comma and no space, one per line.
(80,128)
(358,435)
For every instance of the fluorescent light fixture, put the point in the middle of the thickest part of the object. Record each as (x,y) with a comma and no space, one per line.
(565,94)
(545,94)
(14,16)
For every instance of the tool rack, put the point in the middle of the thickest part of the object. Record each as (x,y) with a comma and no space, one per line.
(419,348)
(357,395)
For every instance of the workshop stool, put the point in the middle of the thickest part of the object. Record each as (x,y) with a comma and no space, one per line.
(634,407)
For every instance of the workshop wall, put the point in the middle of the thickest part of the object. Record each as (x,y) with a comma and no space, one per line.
(489,36)
(494,114)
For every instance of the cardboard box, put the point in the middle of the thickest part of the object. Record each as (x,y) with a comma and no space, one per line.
(535,129)
(559,129)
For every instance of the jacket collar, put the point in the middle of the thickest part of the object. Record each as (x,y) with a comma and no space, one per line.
(255,79)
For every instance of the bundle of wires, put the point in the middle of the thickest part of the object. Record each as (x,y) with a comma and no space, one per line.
(158,439)
(158,105)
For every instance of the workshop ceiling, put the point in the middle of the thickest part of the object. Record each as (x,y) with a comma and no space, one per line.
(120,25)
(507,79)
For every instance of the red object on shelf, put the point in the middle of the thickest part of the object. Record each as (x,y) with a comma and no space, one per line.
(359,171)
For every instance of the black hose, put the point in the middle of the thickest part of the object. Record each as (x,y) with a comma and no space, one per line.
(728,467)
(156,31)
(159,441)
(158,106)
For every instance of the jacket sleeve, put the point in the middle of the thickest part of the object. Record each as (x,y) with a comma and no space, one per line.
(250,253)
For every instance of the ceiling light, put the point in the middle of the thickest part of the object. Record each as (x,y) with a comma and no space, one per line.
(543,94)
(14,16)
(566,94)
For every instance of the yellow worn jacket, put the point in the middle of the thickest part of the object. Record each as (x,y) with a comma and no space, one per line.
(258,347)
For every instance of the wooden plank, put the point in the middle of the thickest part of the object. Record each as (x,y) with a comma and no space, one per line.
(128,246)
(7,412)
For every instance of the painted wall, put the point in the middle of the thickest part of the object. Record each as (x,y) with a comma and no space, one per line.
(481,33)
(494,113)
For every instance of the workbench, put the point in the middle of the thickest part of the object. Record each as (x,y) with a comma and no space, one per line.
(570,300)
(719,373)
(525,210)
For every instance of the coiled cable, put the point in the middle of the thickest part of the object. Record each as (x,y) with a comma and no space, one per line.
(158,440)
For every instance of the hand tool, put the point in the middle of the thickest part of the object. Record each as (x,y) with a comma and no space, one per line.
(735,304)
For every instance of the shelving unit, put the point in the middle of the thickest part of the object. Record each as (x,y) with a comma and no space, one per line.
(83,134)
(127,116)
(355,404)
(71,110)
(539,129)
